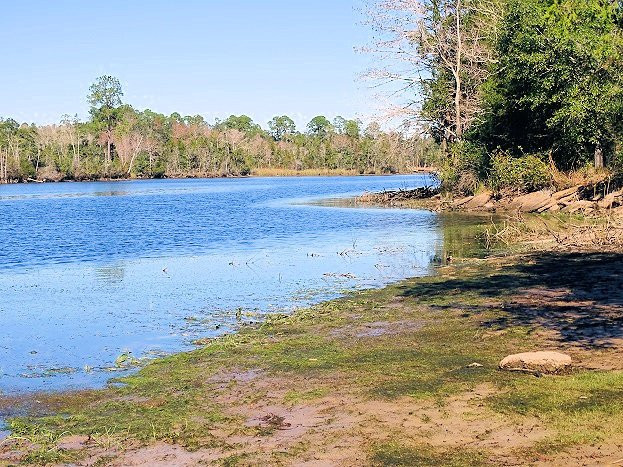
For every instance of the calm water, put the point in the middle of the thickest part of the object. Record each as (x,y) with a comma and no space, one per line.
(89,271)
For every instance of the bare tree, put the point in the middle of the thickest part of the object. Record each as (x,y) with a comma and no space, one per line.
(435,54)
(129,138)
(71,128)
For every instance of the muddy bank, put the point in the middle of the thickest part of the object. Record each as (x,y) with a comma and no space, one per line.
(405,375)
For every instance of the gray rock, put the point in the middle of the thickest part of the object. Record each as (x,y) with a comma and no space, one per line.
(607,202)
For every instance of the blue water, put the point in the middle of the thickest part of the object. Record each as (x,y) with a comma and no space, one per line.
(89,271)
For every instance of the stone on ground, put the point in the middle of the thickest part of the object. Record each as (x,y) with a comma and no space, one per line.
(479,201)
(582,205)
(547,362)
(607,202)
(532,201)
(461,201)
(565,193)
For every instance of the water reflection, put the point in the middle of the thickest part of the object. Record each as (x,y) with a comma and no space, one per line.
(462,236)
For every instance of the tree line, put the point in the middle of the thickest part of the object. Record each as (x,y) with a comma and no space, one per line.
(512,89)
(118,141)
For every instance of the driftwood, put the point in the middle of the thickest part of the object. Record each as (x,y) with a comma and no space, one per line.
(391,196)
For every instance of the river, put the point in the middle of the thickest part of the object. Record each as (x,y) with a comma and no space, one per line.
(95,275)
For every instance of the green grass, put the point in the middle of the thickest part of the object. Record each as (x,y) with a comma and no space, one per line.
(583,408)
(296,397)
(396,454)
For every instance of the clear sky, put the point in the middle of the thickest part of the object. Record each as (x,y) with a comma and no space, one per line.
(208,57)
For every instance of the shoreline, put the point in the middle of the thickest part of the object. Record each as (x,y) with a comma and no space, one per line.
(412,365)
(579,199)
(269,174)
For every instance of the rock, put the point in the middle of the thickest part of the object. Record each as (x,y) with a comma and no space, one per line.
(532,201)
(607,202)
(578,206)
(547,207)
(568,200)
(560,197)
(461,201)
(565,193)
(479,200)
(538,362)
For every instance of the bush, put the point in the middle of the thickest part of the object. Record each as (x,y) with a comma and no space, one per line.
(523,174)
(465,167)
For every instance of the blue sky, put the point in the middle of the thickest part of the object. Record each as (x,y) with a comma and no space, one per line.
(210,57)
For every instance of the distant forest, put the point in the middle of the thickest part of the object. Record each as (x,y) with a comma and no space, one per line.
(119,141)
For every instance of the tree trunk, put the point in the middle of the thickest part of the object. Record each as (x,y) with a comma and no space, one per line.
(457,75)
(599,156)
(457,109)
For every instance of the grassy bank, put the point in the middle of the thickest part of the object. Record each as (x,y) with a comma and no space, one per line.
(259,172)
(275,172)
(405,375)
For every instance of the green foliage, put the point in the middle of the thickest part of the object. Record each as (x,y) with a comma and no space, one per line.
(525,173)
(106,92)
(350,128)
(464,167)
(558,85)
(436,103)
(149,144)
(319,126)
(105,99)
(530,77)
(242,123)
(281,126)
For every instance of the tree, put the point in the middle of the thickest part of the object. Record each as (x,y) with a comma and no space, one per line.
(71,128)
(446,47)
(319,126)
(242,123)
(104,98)
(339,125)
(352,128)
(281,126)
(373,130)
(559,85)
(9,146)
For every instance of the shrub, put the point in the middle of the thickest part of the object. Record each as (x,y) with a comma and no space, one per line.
(524,174)
(464,168)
